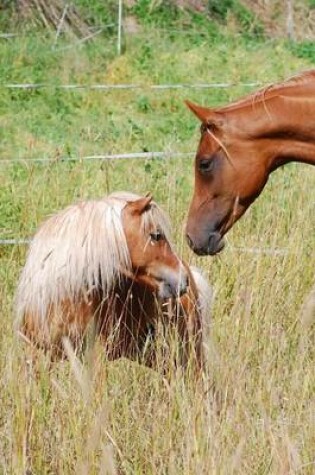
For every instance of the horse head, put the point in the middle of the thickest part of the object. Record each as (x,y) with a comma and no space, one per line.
(227,179)
(154,263)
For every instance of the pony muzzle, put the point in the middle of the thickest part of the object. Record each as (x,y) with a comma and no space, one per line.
(172,283)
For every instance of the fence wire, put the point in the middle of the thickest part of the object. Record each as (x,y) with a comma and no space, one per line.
(108,87)
(105,157)
(250,250)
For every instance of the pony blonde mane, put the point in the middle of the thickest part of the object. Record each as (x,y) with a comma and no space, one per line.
(154,216)
(77,251)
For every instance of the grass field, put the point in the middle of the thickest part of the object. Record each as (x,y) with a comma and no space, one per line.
(254,411)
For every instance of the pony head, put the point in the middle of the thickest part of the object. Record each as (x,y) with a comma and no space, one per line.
(90,247)
(153,260)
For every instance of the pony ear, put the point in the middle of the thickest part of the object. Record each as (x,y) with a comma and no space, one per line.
(141,205)
(205,114)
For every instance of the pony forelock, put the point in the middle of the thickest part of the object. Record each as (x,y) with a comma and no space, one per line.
(153,217)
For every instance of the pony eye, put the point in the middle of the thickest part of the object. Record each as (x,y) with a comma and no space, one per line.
(157,236)
(205,166)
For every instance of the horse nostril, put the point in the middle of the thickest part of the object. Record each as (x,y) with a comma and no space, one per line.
(215,243)
(211,239)
(189,241)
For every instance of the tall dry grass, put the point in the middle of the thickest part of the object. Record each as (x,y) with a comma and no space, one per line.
(253,411)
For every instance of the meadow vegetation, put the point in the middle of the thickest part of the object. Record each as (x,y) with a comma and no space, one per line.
(253,412)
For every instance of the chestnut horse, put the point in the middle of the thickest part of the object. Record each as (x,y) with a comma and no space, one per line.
(240,145)
(109,262)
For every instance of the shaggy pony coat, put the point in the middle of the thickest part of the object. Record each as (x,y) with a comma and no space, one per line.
(79,272)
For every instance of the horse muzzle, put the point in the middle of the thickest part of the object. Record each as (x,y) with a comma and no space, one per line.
(213,244)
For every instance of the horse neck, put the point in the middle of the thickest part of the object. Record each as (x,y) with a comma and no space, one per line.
(282,130)
(286,151)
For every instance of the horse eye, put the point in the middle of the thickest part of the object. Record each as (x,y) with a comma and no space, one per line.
(157,236)
(205,127)
(205,166)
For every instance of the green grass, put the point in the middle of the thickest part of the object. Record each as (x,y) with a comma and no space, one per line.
(102,417)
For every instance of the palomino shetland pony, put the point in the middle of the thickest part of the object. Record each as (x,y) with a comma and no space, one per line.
(109,262)
(240,145)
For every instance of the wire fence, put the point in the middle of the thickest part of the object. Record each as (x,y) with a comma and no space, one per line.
(288,30)
(249,250)
(107,157)
(107,87)
(159,155)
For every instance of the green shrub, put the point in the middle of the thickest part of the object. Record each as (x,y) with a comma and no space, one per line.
(220,8)
(163,14)
(246,19)
(97,12)
(305,50)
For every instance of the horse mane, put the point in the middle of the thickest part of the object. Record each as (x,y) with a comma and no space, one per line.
(286,87)
(79,250)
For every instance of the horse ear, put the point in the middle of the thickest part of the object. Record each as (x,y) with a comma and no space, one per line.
(205,114)
(141,205)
